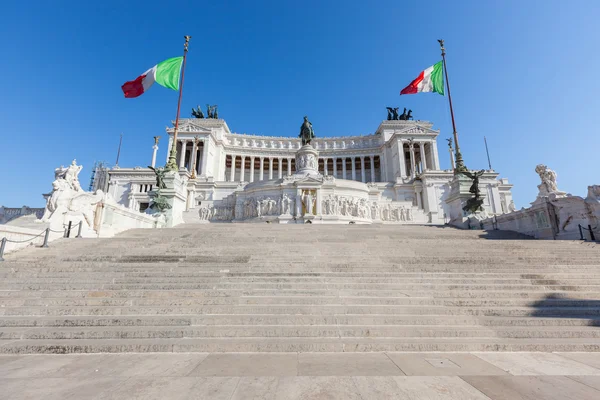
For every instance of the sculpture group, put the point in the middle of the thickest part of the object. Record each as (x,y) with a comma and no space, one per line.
(393,114)
(212,112)
(67,197)
(475,203)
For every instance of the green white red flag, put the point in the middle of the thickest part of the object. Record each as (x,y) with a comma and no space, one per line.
(429,80)
(166,73)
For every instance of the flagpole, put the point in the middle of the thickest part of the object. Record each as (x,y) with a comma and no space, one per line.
(460,165)
(119,151)
(488,153)
(172,162)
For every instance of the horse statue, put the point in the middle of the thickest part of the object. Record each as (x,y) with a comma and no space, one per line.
(209,111)
(409,115)
(306,132)
(197,112)
(403,115)
(390,110)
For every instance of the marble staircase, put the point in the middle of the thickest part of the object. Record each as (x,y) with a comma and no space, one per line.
(301,288)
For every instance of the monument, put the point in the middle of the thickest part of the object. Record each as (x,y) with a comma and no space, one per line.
(392,175)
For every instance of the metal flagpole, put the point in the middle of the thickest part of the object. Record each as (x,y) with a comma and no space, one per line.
(119,151)
(172,163)
(460,165)
(488,153)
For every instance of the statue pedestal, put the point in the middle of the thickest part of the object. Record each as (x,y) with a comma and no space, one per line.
(457,199)
(307,161)
(175,195)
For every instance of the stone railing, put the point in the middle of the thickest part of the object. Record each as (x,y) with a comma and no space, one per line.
(551,218)
(114,219)
(8,214)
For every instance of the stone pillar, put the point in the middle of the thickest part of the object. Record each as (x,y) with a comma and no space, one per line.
(325,172)
(436,157)
(335,166)
(232,172)
(451,157)
(252,169)
(193,157)
(343,167)
(289,165)
(262,169)
(412,160)
(182,155)
(372,168)
(243,170)
(154,150)
(279,168)
(204,167)
(419,202)
(423,157)
(401,159)
(353,168)
(362,169)
(270,168)
(169,147)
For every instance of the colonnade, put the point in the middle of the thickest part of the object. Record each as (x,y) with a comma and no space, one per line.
(242,168)
(191,151)
(418,160)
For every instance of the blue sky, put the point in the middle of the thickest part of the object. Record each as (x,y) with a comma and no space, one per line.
(523,73)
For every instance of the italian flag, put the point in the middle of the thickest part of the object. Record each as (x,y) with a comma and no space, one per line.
(430,80)
(166,73)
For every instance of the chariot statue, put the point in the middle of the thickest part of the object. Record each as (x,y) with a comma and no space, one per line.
(306,132)
(197,112)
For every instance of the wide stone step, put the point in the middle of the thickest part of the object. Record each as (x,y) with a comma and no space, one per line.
(274,331)
(304,310)
(215,345)
(276,319)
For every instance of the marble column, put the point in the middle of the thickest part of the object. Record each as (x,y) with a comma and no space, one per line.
(289,165)
(279,168)
(343,167)
(154,150)
(193,157)
(243,170)
(412,160)
(401,159)
(362,169)
(372,168)
(252,169)
(203,168)
(169,147)
(262,169)
(325,166)
(232,172)
(451,157)
(353,159)
(423,157)
(182,155)
(436,158)
(335,167)
(270,168)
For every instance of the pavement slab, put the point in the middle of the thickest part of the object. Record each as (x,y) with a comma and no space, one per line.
(248,364)
(346,364)
(532,388)
(537,364)
(443,364)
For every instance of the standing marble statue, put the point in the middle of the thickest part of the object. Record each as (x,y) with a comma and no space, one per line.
(548,178)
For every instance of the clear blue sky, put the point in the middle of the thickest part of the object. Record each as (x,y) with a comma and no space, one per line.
(523,73)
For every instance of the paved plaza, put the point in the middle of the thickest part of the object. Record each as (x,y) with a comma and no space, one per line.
(288,376)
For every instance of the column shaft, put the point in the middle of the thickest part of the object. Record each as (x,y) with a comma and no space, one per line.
(182,155)
(243,170)
(353,159)
(154,150)
(412,160)
(289,165)
(262,169)
(279,168)
(423,157)
(343,167)
(204,165)
(251,169)
(232,172)
(401,159)
(372,168)
(335,167)
(270,168)
(362,169)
